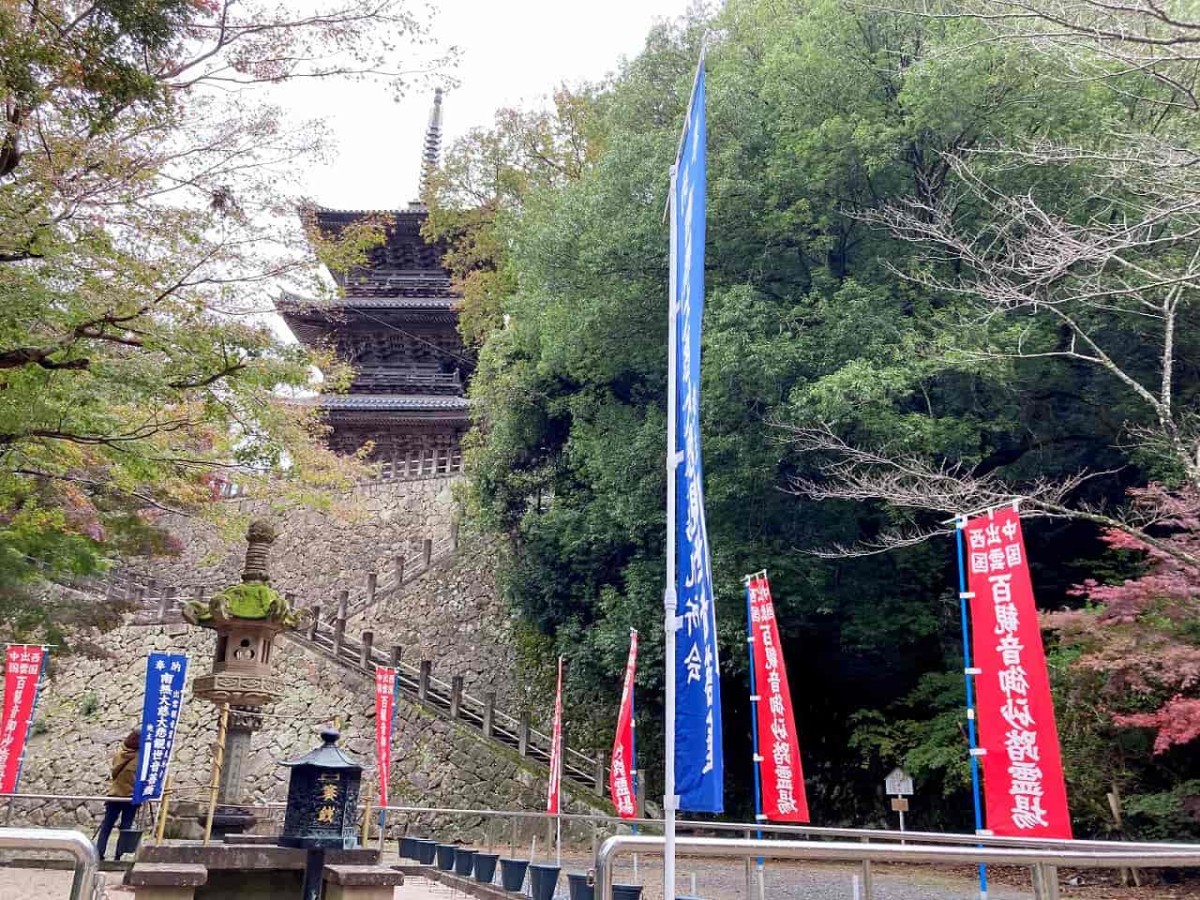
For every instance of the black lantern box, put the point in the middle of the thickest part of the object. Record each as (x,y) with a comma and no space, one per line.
(322,798)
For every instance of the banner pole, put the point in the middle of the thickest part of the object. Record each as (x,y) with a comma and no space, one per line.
(670,598)
(755,759)
(218,764)
(972,739)
(634,777)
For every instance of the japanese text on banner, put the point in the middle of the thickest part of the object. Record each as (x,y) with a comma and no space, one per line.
(166,678)
(699,766)
(1022,767)
(23,665)
(385,706)
(783,795)
(620,782)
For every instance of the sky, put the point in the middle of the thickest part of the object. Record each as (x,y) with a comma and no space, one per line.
(513,52)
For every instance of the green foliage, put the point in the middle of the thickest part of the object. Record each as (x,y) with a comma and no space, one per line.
(819,113)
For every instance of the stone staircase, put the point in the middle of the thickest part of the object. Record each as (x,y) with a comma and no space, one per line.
(153,603)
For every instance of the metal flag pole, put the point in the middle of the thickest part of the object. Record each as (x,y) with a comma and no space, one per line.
(969,673)
(756,759)
(634,777)
(670,598)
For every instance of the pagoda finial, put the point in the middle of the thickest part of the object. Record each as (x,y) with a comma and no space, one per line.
(432,151)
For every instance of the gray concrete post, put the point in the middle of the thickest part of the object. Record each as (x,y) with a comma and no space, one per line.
(423,680)
(339,624)
(164,605)
(454,535)
(523,735)
(394,662)
(427,551)
(372,584)
(599,771)
(365,648)
(489,713)
(456,689)
(314,622)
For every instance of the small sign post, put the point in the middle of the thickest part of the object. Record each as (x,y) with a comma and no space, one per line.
(899,786)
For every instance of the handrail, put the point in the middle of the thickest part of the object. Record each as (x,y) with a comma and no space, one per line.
(87,884)
(744,848)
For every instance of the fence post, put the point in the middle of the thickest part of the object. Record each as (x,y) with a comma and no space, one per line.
(290,599)
(398,564)
(314,622)
(423,680)
(164,605)
(427,551)
(372,585)
(339,624)
(394,662)
(367,642)
(489,713)
(523,735)
(456,689)
(599,773)
(453,536)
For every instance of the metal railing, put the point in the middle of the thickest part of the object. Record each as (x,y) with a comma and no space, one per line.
(1043,863)
(87,883)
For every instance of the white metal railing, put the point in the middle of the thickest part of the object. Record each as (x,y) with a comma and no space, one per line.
(87,884)
(1042,862)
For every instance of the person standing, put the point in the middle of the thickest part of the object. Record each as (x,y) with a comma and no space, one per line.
(120,792)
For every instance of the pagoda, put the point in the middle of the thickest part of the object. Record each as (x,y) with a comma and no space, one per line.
(395,324)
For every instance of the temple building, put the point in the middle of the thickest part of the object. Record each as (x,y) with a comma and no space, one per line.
(395,323)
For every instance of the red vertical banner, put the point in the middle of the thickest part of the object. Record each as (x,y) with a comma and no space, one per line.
(556,748)
(620,781)
(1023,783)
(22,678)
(385,706)
(783,795)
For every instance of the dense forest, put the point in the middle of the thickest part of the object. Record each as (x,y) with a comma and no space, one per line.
(952,260)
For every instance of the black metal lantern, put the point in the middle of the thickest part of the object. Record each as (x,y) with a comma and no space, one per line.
(322,798)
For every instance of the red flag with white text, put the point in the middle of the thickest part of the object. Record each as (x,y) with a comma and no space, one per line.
(1022,765)
(385,706)
(620,782)
(23,664)
(556,748)
(783,795)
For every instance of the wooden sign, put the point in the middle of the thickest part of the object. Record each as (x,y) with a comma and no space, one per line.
(899,804)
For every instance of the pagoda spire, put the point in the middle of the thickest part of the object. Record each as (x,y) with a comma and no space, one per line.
(432,151)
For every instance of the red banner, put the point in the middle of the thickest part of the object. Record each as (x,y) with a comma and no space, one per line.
(385,714)
(555,749)
(620,782)
(783,795)
(22,678)
(1022,766)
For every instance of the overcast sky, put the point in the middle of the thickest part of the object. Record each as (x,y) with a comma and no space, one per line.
(513,52)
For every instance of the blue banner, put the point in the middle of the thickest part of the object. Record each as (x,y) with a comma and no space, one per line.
(699,762)
(166,677)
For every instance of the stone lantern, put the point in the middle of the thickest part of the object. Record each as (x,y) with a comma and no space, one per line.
(247,617)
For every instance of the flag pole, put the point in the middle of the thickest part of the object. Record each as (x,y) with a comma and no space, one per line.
(756,758)
(968,675)
(670,598)
(633,769)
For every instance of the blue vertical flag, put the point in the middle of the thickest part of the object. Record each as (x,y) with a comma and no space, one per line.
(699,762)
(166,677)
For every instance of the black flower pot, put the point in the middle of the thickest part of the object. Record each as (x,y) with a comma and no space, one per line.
(577,885)
(464,860)
(445,857)
(626,892)
(485,867)
(426,851)
(512,874)
(542,881)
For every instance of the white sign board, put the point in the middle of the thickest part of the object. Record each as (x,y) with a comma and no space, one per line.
(898,784)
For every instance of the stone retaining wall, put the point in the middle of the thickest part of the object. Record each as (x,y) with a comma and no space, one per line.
(90,703)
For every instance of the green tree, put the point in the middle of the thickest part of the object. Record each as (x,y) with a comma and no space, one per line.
(145,217)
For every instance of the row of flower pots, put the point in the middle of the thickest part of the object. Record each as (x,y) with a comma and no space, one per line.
(543,879)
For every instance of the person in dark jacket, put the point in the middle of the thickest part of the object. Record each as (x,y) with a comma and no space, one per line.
(124,769)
